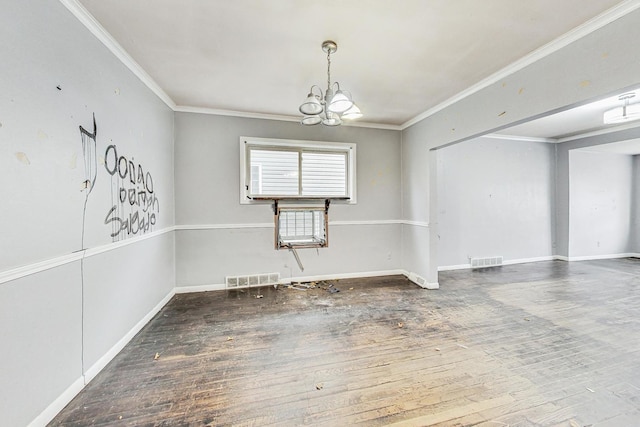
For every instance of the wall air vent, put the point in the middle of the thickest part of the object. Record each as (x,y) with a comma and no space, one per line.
(485,262)
(252,280)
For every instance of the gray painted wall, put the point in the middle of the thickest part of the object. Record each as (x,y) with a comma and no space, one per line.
(635,206)
(207,196)
(495,197)
(41,157)
(598,64)
(563,168)
(600,203)
(55,324)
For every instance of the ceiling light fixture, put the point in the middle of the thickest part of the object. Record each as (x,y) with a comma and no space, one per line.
(626,113)
(332,106)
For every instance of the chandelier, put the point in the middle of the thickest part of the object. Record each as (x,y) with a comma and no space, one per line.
(332,106)
(625,113)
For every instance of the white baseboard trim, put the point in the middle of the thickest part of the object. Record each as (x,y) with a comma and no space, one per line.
(597,257)
(61,401)
(545,258)
(527,260)
(113,351)
(454,267)
(420,281)
(339,276)
(57,405)
(504,262)
(187,289)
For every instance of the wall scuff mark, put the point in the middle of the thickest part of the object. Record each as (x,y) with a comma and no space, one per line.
(22,157)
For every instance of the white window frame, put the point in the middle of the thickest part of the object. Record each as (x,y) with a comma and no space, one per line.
(318,146)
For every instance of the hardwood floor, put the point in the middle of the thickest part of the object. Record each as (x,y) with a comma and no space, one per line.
(541,344)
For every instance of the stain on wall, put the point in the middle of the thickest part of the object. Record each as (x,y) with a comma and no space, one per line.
(22,158)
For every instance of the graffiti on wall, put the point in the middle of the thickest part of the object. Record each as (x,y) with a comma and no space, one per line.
(135,206)
(90,168)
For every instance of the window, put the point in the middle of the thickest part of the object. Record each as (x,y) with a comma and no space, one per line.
(301,228)
(281,169)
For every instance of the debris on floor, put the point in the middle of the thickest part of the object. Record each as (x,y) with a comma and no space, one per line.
(437,349)
(259,296)
(400,325)
(319,386)
(461,345)
(229,338)
(157,356)
(324,285)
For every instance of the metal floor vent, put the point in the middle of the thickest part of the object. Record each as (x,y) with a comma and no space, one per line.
(252,280)
(486,262)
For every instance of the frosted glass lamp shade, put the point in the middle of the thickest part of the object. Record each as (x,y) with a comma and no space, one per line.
(311,106)
(311,120)
(352,113)
(340,102)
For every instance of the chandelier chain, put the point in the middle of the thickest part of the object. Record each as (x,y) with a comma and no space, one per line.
(328,69)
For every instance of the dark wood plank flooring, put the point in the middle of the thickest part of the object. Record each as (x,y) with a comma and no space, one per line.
(541,344)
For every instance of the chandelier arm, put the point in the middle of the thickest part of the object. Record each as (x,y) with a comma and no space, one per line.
(320,90)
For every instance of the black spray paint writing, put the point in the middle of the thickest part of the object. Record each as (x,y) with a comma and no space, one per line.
(90,168)
(135,205)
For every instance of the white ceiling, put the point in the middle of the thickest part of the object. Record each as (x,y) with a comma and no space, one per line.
(398,58)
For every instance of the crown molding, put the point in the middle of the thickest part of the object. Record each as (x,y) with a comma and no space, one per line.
(87,19)
(520,138)
(264,116)
(232,113)
(564,40)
